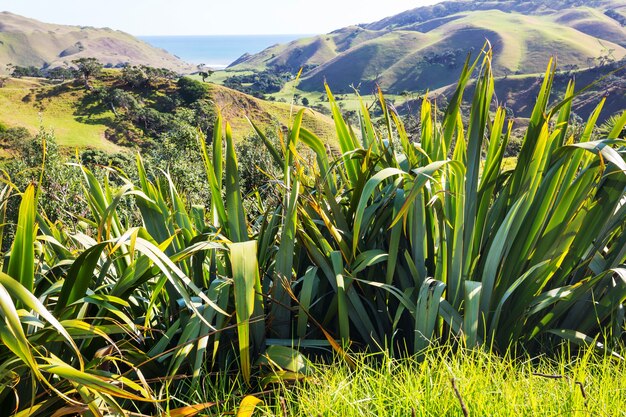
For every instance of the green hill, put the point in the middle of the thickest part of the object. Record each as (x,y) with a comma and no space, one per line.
(424,48)
(27,42)
(31,103)
(518,92)
(78,121)
(237,108)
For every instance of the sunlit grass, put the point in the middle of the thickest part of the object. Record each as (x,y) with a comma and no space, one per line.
(21,106)
(488,385)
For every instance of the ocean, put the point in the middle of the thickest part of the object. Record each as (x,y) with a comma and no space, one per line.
(216,51)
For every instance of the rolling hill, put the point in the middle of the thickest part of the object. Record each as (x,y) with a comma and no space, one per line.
(27,42)
(517,93)
(424,48)
(78,123)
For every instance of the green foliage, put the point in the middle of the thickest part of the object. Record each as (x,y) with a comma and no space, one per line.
(14,137)
(60,190)
(204,74)
(143,76)
(389,245)
(30,71)
(191,90)
(257,167)
(465,239)
(60,73)
(88,68)
(259,83)
(204,116)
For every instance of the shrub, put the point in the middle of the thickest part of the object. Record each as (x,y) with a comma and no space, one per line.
(125,133)
(14,137)
(191,90)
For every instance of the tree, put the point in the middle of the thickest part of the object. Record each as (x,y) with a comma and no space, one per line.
(59,73)
(31,71)
(191,90)
(88,68)
(143,76)
(135,77)
(305,102)
(117,98)
(204,72)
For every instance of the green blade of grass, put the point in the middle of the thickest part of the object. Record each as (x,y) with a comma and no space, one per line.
(22,261)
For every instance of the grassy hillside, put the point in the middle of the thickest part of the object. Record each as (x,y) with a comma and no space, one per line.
(78,122)
(32,104)
(238,107)
(26,42)
(517,92)
(424,48)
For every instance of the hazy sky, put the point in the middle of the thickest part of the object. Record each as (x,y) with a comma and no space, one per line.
(211,17)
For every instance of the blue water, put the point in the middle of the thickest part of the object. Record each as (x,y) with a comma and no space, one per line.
(216,51)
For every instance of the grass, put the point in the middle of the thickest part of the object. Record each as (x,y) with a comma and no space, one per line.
(488,385)
(19,106)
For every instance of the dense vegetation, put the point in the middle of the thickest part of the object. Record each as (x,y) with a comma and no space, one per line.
(390,245)
(259,83)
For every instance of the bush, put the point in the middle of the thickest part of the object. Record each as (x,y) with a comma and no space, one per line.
(258,172)
(125,133)
(14,137)
(259,83)
(191,90)
(60,73)
(92,158)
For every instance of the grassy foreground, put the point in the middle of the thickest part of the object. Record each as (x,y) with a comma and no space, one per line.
(486,384)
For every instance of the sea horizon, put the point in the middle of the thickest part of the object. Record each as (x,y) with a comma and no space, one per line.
(216,51)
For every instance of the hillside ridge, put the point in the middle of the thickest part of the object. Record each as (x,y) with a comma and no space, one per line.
(424,48)
(29,42)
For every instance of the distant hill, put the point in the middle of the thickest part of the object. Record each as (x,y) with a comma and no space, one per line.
(27,42)
(424,48)
(517,93)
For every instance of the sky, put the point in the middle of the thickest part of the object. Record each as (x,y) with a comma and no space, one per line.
(211,17)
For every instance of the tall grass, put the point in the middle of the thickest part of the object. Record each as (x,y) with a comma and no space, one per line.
(487,384)
(393,246)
